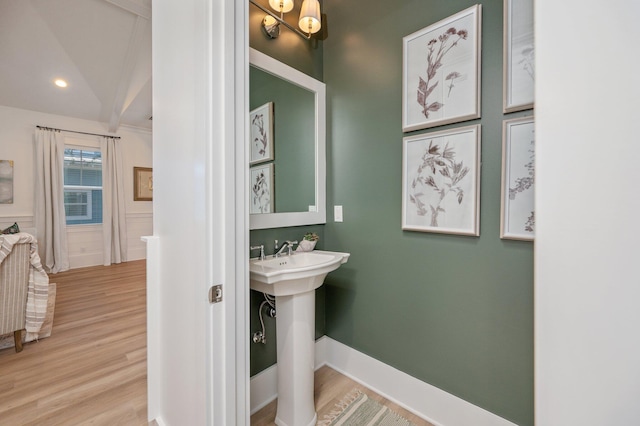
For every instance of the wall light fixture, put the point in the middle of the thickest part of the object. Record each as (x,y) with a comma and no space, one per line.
(310,21)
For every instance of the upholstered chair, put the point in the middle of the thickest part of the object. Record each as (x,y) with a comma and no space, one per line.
(14,282)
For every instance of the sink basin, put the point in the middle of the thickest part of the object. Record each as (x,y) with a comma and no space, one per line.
(298,273)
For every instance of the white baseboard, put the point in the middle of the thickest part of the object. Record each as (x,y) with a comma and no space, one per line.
(137,253)
(424,400)
(157,422)
(85,260)
(263,388)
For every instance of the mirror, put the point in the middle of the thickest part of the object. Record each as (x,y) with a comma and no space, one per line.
(288,108)
(285,114)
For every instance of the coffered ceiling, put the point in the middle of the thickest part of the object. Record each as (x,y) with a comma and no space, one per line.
(102,48)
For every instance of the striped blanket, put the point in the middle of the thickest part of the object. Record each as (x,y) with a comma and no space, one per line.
(38,290)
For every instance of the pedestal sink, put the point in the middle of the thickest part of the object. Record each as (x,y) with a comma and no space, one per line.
(293,280)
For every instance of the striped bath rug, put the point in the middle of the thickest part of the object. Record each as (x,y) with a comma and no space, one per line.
(356,409)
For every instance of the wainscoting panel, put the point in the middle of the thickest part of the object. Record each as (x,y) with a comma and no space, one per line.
(85,241)
(85,245)
(24,222)
(138,225)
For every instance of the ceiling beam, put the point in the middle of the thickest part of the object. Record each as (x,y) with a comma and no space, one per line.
(134,6)
(127,73)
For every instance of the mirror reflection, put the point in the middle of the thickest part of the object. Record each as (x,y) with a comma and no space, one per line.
(282,150)
(287,143)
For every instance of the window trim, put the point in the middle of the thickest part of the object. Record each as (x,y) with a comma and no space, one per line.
(83,188)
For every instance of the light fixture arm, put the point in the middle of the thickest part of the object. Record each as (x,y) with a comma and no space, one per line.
(280,20)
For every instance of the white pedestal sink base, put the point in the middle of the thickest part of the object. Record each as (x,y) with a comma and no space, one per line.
(293,280)
(295,335)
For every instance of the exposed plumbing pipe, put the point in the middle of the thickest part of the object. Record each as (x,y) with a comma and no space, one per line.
(261,336)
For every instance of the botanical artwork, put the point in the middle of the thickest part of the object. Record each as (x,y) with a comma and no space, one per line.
(261,189)
(261,133)
(437,50)
(441,181)
(6,182)
(441,75)
(519,66)
(518,179)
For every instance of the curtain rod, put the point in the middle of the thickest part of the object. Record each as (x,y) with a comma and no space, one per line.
(73,131)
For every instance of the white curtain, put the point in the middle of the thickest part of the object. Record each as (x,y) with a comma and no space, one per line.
(114,225)
(50,219)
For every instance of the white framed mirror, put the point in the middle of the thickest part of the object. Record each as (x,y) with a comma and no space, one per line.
(297,184)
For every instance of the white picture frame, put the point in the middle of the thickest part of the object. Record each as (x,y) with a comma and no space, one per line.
(518,62)
(517,210)
(261,121)
(261,189)
(441,72)
(441,182)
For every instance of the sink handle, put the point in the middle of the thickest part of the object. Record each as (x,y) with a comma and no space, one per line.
(290,245)
(261,247)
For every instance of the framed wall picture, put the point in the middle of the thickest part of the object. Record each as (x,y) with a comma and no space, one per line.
(261,120)
(441,72)
(6,181)
(441,182)
(142,184)
(262,189)
(518,63)
(517,213)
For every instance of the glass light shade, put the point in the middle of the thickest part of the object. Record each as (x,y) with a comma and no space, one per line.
(310,21)
(287,5)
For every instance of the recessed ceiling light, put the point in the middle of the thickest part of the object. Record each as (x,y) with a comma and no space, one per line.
(60,83)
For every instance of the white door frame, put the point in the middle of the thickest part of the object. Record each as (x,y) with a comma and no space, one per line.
(236,99)
(198,360)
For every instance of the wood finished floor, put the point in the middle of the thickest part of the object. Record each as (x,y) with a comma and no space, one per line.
(330,388)
(93,368)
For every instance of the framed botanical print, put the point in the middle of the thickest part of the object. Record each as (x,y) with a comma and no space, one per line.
(441,72)
(261,120)
(517,213)
(441,182)
(261,181)
(519,65)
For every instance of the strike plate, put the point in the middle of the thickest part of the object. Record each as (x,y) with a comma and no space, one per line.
(215,294)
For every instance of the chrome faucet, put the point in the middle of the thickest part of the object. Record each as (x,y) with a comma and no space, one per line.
(286,245)
(261,247)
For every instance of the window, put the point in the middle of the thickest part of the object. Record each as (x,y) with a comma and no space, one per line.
(82,186)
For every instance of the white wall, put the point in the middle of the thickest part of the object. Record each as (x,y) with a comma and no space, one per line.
(587,275)
(85,241)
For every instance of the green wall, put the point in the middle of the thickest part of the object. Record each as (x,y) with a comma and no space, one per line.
(453,311)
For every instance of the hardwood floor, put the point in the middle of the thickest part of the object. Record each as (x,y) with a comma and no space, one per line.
(330,388)
(92,370)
